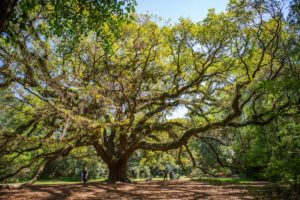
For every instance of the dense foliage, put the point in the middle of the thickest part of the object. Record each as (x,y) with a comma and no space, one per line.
(67,20)
(235,72)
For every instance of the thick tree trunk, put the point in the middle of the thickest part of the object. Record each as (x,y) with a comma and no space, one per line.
(117,168)
(117,171)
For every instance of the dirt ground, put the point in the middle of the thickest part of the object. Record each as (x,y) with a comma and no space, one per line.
(178,189)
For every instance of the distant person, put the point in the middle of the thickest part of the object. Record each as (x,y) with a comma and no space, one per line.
(171,175)
(84,175)
(166,172)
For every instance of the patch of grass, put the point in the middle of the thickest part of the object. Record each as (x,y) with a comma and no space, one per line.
(225,180)
(158,179)
(64,180)
(74,180)
(54,182)
(70,180)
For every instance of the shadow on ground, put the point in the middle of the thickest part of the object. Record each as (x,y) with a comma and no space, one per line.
(142,190)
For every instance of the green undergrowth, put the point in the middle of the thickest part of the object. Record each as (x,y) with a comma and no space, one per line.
(64,180)
(226,180)
(70,180)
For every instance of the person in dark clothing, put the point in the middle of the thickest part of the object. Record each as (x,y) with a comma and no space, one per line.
(166,172)
(84,175)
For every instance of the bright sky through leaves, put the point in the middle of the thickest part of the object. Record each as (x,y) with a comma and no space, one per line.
(174,9)
(196,10)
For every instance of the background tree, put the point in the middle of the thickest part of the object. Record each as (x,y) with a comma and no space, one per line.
(64,19)
(116,100)
(67,18)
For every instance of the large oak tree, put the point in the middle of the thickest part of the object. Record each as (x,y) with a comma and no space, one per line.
(117,99)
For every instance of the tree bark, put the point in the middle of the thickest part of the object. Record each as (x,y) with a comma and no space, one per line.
(117,167)
(6,9)
(117,171)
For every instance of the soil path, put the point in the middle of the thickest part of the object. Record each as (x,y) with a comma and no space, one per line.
(178,189)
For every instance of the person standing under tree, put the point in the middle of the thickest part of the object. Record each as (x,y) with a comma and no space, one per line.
(166,172)
(84,175)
